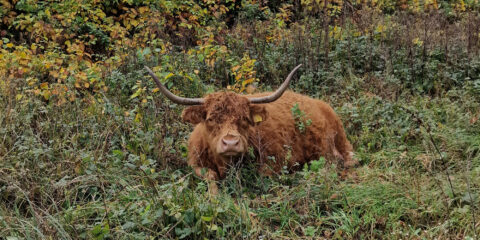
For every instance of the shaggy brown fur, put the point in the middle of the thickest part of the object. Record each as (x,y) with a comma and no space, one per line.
(276,139)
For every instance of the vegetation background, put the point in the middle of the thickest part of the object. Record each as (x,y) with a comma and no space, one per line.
(89,149)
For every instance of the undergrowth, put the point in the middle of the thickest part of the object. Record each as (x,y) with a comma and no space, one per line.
(89,149)
(93,169)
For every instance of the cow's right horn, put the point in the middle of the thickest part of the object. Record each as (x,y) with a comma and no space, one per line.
(277,94)
(171,96)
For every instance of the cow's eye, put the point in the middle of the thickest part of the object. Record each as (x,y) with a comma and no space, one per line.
(243,123)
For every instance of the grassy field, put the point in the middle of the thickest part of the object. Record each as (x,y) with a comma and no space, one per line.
(89,170)
(89,149)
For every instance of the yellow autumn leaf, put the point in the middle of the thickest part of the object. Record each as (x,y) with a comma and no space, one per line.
(138,92)
(238,77)
(44,85)
(134,22)
(9,45)
(46,94)
(143,9)
(380,28)
(155,90)
(211,62)
(417,41)
(138,117)
(250,62)
(250,80)
(31,81)
(169,76)
(54,74)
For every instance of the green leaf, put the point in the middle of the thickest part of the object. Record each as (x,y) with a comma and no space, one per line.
(213,227)
(310,231)
(183,232)
(128,225)
(136,93)
(118,153)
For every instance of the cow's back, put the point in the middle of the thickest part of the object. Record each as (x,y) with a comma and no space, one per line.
(279,142)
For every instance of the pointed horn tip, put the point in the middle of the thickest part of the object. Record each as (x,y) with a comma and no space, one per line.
(148,69)
(279,92)
(174,98)
(297,67)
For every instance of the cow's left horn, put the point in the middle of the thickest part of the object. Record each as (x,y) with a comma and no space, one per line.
(171,96)
(277,94)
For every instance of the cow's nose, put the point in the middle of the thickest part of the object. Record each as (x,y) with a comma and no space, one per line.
(230,141)
(230,145)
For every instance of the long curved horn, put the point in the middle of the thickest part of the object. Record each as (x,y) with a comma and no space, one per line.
(277,94)
(171,96)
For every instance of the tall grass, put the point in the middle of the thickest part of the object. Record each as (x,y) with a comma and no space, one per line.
(111,165)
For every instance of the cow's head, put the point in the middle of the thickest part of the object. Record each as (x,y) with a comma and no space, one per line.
(226,115)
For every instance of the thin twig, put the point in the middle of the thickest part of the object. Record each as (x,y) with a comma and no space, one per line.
(101,181)
(472,205)
(427,127)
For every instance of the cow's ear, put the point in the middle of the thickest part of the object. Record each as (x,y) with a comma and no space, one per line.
(258,114)
(194,114)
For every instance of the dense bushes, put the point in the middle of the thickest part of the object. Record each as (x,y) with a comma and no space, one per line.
(65,47)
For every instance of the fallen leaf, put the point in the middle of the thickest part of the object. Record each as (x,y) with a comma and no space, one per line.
(474,120)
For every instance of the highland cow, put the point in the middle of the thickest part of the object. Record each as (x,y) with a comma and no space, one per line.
(228,124)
